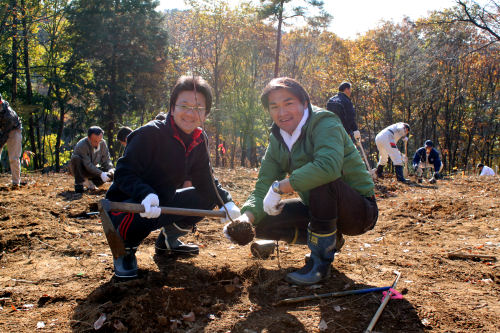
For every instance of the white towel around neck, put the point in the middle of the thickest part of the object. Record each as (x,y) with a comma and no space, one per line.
(291,139)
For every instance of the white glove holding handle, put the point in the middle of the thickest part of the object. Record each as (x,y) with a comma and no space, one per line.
(405,139)
(272,202)
(151,209)
(356,135)
(232,209)
(104,176)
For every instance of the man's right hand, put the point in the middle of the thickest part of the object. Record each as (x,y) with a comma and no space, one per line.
(356,135)
(104,176)
(151,209)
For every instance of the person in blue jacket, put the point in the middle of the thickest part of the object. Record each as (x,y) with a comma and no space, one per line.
(427,157)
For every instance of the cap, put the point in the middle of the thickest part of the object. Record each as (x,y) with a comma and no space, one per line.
(429,143)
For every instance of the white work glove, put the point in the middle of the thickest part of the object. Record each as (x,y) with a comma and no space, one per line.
(233,210)
(272,202)
(356,135)
(405,158)
(405,139)
(104,176)
(151,209)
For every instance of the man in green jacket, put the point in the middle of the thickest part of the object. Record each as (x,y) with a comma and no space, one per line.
(323,166)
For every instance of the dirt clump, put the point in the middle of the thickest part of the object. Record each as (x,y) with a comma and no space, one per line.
(242,233)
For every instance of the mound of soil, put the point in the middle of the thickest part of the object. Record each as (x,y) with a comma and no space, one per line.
(56,267)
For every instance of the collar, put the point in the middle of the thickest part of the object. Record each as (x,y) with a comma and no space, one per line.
(291,139)
(196,135)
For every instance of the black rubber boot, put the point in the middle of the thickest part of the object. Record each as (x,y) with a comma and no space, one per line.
(168,242)
(399,174)
(126,265)
(380,171)
(79,188)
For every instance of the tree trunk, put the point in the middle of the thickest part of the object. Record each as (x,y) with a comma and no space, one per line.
(278,41)
(29,88)
(15,47)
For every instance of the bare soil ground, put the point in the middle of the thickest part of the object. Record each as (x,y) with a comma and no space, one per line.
(56,267)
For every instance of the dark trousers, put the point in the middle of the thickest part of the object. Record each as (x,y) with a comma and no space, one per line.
(134,229)
(77,169)
(355,214)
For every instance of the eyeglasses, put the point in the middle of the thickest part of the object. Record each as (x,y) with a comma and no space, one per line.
(191,108)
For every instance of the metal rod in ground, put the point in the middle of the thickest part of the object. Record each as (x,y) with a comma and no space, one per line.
(382,306)
(334,294)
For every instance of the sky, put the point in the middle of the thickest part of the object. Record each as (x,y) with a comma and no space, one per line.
(352,17)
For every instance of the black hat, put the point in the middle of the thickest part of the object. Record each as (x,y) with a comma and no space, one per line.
(429,143)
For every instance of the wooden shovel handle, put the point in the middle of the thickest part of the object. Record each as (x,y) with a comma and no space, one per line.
(128,207)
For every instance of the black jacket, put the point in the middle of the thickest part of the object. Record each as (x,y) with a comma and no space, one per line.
(157,161)
(341,105)
(421,156)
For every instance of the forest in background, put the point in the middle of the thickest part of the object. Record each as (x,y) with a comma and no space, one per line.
(67,65)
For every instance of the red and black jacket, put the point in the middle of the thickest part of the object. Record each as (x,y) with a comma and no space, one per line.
(156,160)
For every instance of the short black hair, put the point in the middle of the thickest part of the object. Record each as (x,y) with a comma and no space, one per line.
(480,165)
(293,86)
(192,83)
(94,130)
(407,127)
(344,85)
(123,132)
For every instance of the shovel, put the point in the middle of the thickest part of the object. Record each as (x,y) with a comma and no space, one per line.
(115,241)
(370,170)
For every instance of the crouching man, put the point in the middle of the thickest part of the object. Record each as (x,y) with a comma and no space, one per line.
(336,191)
(427,157)
(157,159)
(90,162)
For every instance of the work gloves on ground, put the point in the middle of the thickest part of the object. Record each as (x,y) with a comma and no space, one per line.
(272,202)
(105,177)
(151,209)
(232,210)
(356,135)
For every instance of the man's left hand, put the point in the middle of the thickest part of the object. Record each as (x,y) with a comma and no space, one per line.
(272,202)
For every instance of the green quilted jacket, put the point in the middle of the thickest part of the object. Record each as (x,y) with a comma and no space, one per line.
(323,153)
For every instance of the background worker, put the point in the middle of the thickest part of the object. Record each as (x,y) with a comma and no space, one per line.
(336,191)
(386,141)
(342,106)
(90,162)
(122,134)
(158,157)
(427,157)
(484,170)
(11,134)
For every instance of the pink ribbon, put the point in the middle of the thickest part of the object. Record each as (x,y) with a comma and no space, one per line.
(395,294)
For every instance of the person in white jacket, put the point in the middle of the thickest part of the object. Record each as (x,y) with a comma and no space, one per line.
(485,170)
(386,141)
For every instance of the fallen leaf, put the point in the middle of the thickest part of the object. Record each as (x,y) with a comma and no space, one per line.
(189,317)
(117,324)
(40,324)
(100,321)
(322,325)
